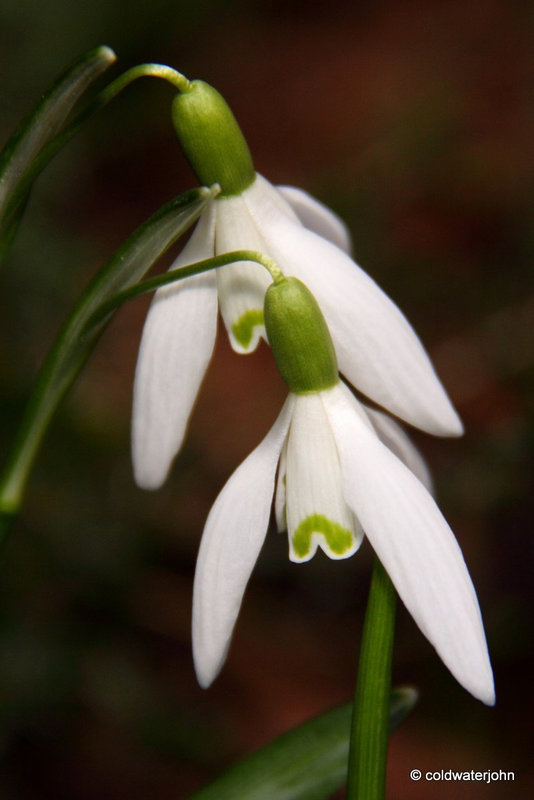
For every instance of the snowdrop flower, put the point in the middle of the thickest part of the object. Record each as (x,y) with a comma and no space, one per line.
(377,350)
(340,475)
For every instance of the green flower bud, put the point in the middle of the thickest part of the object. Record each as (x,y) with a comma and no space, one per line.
(212,140)
(299,337)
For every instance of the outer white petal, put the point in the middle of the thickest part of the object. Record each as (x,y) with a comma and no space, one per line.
(280,493)
(176,347)
(395,438)
(263,191)
(265,204)
(231,542)
(318,217)
(378,351)
(241,285)
(416,546)
(317,514)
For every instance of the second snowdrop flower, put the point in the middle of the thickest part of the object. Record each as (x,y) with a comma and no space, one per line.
(343,472)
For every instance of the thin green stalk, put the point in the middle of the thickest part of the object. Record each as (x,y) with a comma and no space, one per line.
(46,121)
(178,275)
(370,722)
(107,94)
(49,150)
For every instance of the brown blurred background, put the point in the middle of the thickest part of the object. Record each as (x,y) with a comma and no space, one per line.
(414,120)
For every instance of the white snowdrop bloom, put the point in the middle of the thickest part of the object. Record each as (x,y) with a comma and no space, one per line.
(336,482)
(378,351)
(339,471)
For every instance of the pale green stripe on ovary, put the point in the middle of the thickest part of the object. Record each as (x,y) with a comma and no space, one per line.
(339,539)
(243,329)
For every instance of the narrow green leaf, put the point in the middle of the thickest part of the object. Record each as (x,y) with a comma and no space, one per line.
(9,225)
(74,344)
(38,129)
(307,763)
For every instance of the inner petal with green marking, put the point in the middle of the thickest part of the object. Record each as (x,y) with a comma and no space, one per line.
(318,530)
(316,513)
(242,285)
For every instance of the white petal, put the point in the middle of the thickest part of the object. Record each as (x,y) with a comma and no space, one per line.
(416,547)
(395,438)
(230,545)
(241,285)
(280,493)
(317,217)
(377,349)
(317,514)
(262,198)
(176,347)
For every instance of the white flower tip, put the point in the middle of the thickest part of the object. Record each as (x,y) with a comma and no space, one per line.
(454,425)
(148,481)
(481,686)
(209,655)
(479,679)
(467,657)
(298,559)
(442,422)
(205,676)
(489,697)
(149,469)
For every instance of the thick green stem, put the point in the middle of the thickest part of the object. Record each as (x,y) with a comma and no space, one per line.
(370,716)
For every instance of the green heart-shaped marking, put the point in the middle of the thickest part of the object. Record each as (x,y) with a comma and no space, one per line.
(338,539)
(244,327)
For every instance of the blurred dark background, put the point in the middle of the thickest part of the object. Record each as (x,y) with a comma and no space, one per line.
(414,120)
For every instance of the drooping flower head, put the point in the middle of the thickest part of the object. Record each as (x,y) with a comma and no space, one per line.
(343,472)
(377,350)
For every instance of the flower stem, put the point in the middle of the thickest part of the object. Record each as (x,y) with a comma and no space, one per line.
(172,76)
(177,275)
(369,731)
(111,91)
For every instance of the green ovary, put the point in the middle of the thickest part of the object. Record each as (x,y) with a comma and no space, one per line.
(244,327)
(338,538)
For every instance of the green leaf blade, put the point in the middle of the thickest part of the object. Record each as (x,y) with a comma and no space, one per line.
(42,124)
(71,349)
(307,763)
